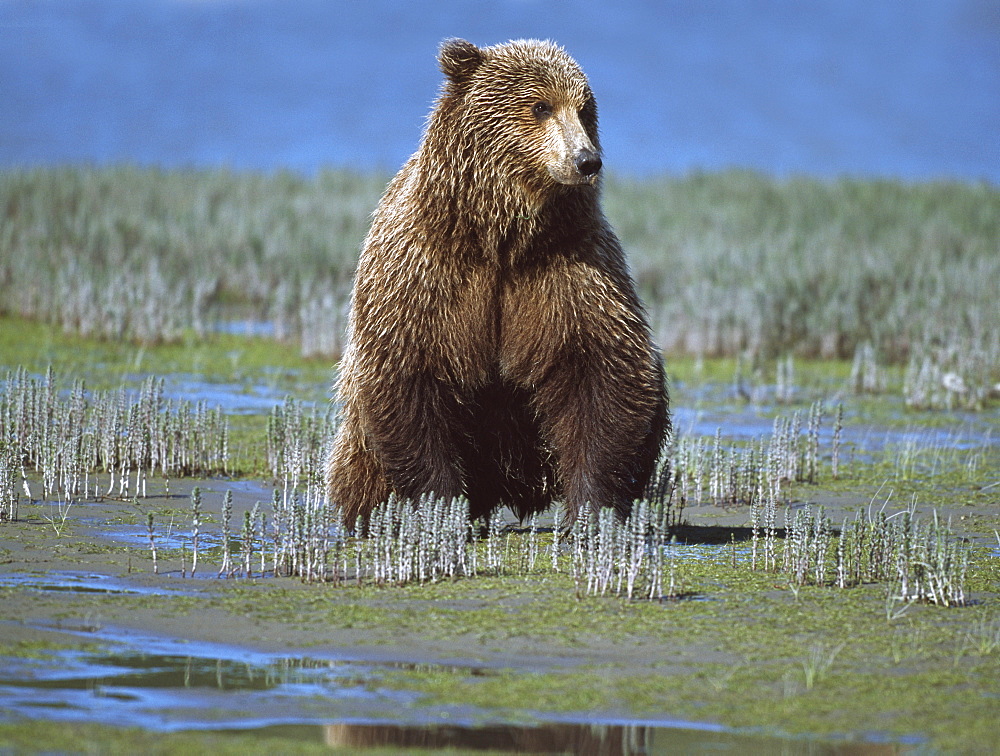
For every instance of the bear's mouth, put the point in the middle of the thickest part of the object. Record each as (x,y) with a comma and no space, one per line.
(581,165)
(571,176)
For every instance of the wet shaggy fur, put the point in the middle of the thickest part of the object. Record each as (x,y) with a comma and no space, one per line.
(497,349)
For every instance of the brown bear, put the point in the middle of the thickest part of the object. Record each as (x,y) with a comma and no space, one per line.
(496,346)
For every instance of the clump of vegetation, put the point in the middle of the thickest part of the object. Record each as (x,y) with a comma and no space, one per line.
(919,561)
(9,478)
(427,540)
(432,539)
(953,375)
(297,441)
(699,470)
(867,375)
(71,437)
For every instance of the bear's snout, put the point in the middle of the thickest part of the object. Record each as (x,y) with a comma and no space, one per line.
(587,162)
(575,158)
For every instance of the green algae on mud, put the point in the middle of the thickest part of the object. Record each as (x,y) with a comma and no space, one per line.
(736,650)
(739,656)
(106,363)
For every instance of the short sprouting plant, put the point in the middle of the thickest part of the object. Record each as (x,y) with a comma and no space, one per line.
(152,541)
(9,494)
(818,662)
(920,561)
(226,568)
(195,526)
(57,518)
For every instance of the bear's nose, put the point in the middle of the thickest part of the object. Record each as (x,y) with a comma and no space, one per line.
(587,162)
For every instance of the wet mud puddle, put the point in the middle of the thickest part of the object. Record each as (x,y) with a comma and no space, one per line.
(78,582)
(171,685)
(174,685)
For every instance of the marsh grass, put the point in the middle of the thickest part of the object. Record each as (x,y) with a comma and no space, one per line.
(818,662)
(815,267)
(195,527)
(953,375)
(152,542)
(58,514)
(918,560)
(298,438)
(432,539)
(699,470)
(10,467)
(145,254)
(728,264)
(983,637)
(923,455)
(72,436)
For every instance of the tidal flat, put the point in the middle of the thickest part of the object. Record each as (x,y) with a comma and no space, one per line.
(99,652)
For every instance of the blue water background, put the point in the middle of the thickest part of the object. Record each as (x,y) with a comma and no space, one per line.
(907,89)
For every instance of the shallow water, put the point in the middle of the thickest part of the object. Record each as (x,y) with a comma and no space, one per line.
(164,536)
(77,582)
(233,398)
(167,685)
(695,412)
(163,685)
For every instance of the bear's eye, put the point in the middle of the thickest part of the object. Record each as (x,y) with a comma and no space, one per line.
(541,110)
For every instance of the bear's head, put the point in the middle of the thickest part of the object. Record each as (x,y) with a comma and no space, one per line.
(524,104)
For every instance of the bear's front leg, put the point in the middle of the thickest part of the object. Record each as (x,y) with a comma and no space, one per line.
(579,340)
(356,482)
(605,428)
(418,340)
(414,427)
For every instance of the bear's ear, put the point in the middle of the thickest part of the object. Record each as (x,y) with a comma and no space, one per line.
(459,59)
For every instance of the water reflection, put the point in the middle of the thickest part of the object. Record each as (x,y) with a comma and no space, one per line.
(575,737)
(151,683)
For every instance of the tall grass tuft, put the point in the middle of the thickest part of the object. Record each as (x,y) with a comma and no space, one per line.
(70,437)
(920,561)
(302,522)
(9,466)
(697,471)
(621,559)
(298,440)
(421,541)
(958,373)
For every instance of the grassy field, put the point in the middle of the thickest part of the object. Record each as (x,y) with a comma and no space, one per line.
(728,264)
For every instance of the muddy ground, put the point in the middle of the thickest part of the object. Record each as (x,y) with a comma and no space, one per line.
(740,653)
